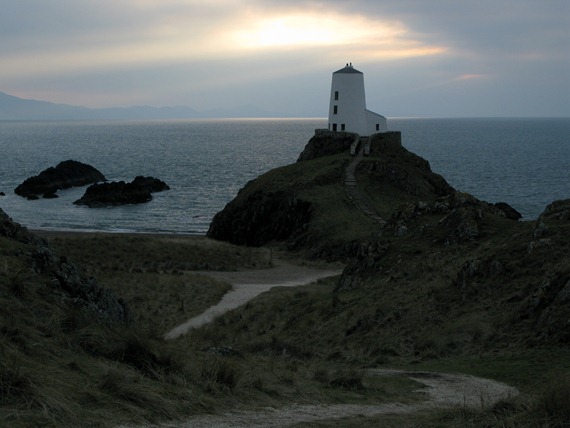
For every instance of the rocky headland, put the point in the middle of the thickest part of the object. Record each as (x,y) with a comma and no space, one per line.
(302,204)
(441,244)
(64,175)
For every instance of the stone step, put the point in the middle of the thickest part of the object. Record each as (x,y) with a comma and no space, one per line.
(351,186)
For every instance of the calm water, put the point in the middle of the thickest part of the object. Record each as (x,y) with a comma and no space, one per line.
(520,161)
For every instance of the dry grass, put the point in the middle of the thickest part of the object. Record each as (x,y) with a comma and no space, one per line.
(309,344)
(152,272)
(164,254)
(297,345)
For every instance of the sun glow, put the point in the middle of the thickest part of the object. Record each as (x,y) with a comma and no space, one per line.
(306,30)
(357,36)
(235,33)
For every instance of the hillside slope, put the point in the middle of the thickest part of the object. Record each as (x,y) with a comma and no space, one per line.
(306,206)
(447,275)
(68,355)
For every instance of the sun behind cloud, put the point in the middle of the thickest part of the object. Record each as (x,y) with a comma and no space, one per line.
(308,29)
(364,37)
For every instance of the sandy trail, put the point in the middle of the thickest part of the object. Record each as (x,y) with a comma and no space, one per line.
(442,390)
(249,284)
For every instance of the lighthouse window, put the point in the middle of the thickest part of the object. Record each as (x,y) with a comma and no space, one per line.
(335,109)
(334,127)
(336,95)
(342,127)
(377,127)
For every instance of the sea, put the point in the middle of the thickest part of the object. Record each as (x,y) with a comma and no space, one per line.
(521,161)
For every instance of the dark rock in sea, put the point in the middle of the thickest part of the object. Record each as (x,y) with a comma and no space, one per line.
(151,184)
(50,195)
(2,194)
(66,174)
(120,193)
(65,280)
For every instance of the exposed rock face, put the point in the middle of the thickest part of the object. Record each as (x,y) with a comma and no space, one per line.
(461,217)
(12,230)
(94,302)
(508,211)
(393,165)
(98,303)
(276,207)
(449,221)
(66,174)
(557,210)
(327,143)
(367,261)
(120,193)
(263,217)
(415,202)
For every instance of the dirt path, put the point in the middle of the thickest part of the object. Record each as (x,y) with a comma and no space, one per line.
(249,284)
(441,390)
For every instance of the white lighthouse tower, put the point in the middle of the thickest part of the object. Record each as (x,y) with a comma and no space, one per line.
(347,109)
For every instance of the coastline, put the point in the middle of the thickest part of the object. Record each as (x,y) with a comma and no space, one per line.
(90,232)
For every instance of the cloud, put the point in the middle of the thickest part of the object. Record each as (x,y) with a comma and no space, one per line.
(179,31)
(469,77)
(97,52)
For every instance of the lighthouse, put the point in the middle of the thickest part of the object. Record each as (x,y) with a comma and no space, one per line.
(347,108)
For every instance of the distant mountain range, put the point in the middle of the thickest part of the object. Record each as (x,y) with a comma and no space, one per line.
(14,108)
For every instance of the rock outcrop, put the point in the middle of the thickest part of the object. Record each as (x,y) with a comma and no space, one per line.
(138,191)
(449,221)
(62,278)
(327,143)
(66,174)
(508,211)
(261,218)
(286,204)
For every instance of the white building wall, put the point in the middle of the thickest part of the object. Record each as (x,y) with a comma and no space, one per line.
(375,123)
(347,107)
(351,102)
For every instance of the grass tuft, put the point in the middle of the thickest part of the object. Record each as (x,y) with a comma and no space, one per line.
(219,374)
(131,347)
(553,403)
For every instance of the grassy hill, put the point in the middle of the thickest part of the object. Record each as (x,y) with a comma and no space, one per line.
(450,283)
(66,359)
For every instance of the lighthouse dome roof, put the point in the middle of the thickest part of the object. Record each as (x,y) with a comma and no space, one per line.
(348,69)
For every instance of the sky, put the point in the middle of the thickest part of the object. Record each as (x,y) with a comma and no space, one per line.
(420,58)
